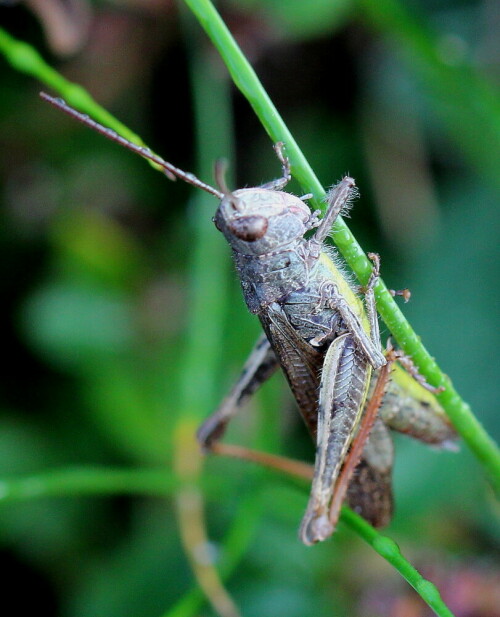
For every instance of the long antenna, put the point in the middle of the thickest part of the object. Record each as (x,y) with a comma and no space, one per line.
(170,170)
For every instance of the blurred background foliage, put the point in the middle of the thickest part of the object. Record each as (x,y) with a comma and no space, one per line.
(103,260)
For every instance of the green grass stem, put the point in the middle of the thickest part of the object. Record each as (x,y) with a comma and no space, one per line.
(88,481)
(25,59)
(389,550)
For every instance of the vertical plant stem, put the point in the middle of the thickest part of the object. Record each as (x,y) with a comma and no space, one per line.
(207,309)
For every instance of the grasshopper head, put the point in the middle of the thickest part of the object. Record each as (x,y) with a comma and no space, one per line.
(258,221)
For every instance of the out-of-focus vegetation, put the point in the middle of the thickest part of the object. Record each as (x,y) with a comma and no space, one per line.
(108,273)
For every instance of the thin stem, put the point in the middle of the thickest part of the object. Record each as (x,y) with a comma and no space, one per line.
(207,304)
(192,526)
(89,481)
(235,545)
(24,58)
(390,551)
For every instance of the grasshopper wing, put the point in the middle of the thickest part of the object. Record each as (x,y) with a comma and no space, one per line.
(370,489)
(300,362)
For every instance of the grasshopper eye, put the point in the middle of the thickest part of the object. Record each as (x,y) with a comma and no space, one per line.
(249,228)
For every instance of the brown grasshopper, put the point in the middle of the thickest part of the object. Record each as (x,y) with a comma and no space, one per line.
(317,330)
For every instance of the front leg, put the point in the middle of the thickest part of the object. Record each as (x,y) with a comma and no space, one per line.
(338,199)
(369,344)
(344,383)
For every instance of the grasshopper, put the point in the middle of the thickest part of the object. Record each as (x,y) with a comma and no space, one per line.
(318,330)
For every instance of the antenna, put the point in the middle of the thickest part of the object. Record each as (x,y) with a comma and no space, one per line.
(170,170)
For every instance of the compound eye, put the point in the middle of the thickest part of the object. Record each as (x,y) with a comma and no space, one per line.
(249,228)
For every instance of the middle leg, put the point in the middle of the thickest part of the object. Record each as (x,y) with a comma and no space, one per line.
(260,365)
